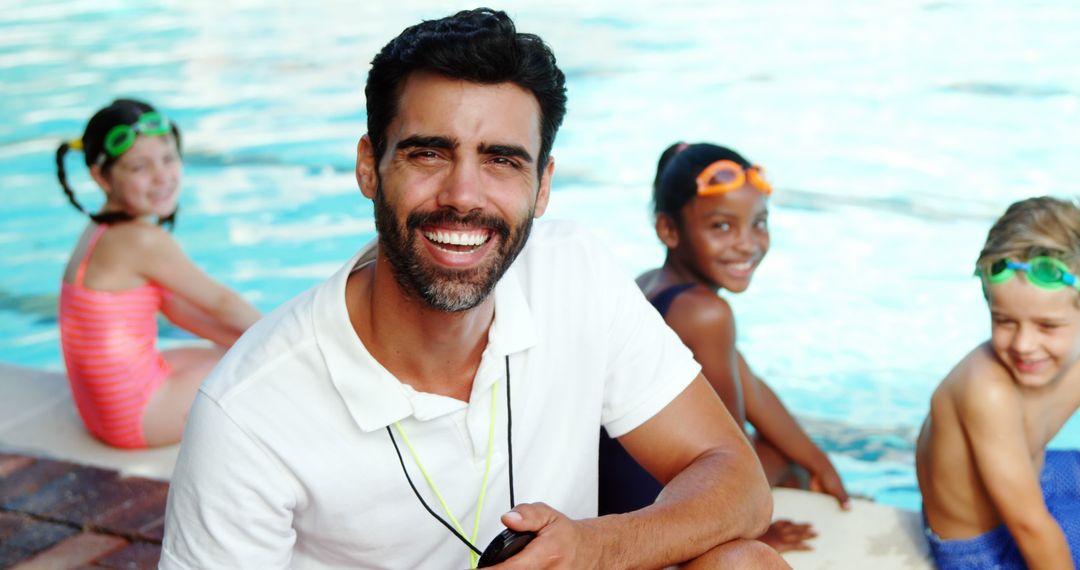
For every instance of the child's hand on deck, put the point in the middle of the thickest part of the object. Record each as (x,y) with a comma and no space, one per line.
(827,480)
(784,535)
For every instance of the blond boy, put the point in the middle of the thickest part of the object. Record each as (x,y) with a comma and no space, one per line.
(993,497)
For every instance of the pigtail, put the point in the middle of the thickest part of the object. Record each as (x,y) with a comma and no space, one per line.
(169,222)
(61,173)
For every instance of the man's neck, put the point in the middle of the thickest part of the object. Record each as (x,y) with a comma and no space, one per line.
(431,350)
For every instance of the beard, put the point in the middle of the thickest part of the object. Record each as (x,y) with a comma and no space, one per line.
(450,290)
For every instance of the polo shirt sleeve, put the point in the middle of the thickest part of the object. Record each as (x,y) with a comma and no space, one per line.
(648,366)
(230,501)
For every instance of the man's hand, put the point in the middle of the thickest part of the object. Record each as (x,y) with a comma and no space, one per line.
(826,480)
(784,535)
(560,542)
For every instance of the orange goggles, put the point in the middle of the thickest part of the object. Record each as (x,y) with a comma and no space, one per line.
(725,175)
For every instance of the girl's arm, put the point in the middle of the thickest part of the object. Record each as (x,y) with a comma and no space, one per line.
(206,306)
(991,415)
(706,325)
(775,424)
(191,318)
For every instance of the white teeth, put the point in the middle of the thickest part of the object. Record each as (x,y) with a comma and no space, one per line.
(458,238)
(744,266)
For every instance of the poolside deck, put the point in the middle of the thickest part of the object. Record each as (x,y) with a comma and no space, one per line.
(68,501)
(37,416)
(57,514)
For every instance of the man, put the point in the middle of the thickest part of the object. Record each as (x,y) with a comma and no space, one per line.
(388,417)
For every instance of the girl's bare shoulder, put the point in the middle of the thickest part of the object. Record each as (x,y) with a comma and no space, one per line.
(701,307)
(137,237)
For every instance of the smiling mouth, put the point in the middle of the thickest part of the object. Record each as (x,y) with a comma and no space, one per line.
(741,266)
(458,241)
(158,197)
(1028,366)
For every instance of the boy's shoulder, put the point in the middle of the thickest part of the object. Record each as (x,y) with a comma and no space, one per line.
(979,382)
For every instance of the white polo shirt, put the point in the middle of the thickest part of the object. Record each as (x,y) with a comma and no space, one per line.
(286,460)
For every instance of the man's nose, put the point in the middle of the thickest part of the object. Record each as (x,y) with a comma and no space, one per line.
(463,188)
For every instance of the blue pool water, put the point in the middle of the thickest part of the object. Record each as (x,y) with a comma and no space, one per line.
(895,132)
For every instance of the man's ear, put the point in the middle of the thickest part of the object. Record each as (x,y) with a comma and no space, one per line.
(101,179)
(667,229)
(365,167)
(543,194)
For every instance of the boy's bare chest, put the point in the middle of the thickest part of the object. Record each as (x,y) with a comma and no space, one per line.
(1046,414)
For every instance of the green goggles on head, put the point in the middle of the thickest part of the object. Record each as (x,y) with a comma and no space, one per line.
(1044,272)
(121,137)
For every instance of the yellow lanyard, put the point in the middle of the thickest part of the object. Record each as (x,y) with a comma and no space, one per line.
(483,482)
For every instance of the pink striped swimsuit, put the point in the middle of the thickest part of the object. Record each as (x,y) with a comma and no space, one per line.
(108,339)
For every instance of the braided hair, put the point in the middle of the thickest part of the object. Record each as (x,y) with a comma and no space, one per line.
(92,143)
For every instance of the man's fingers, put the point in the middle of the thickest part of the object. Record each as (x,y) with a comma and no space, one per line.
(529,516)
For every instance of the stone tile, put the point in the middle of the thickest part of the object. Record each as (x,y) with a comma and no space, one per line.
(31,540)
(11,523)
(75,551)
(153,532)
(45,503)
(136,555)
(109,497)
(32,476)
(69,496)
(142,507)
(12,463)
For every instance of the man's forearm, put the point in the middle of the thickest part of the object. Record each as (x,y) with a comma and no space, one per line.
(721,496)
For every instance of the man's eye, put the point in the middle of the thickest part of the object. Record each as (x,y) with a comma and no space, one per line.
(504,161)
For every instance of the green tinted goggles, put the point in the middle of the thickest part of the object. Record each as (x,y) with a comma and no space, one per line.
(121,137)
(1044,272)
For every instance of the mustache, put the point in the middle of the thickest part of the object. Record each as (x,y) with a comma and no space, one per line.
(451,218)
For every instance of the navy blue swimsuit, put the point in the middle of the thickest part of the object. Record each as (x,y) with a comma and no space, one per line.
(624,485)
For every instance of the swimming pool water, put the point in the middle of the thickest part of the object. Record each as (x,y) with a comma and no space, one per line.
(894,131)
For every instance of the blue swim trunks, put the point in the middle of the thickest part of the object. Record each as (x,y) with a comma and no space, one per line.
(996,549)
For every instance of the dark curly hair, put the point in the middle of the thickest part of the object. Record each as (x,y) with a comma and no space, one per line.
(119,112)
(481,46)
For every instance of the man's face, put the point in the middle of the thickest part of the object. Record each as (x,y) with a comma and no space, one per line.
(457,189)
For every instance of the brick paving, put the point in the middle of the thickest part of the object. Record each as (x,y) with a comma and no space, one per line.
(60,515)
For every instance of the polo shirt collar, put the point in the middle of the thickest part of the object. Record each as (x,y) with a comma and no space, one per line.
(373,396)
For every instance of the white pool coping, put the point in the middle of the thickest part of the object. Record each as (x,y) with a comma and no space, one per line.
(38,417)
(870,535)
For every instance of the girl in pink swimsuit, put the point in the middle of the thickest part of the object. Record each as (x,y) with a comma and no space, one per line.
(124,270)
